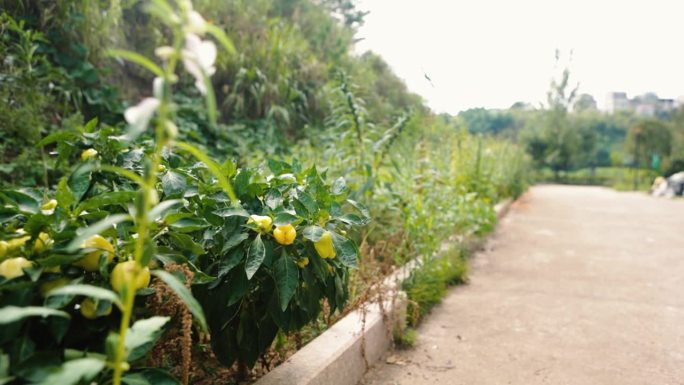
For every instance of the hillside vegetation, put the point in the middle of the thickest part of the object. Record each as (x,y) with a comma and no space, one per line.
(192,191)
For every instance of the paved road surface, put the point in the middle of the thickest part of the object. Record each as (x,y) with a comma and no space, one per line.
(580,285)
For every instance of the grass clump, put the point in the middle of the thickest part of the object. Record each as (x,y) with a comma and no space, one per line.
(427,285)
(406,338)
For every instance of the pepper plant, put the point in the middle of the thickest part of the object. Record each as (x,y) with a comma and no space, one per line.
(76,262)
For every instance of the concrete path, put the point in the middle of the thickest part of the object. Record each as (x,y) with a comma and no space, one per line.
(580,285)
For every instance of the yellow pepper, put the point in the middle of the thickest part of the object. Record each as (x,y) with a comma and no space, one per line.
(42,243)
(89,309)
(303,262)
(49,286)
(264,223)
(285,235)
(16,243)
(49,205)
(13,267)
(91,262)
(125,271)
(4,247)
(324,246)
(88,154)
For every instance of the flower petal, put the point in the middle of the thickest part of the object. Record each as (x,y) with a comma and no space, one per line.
(196,23)
(139,116)
(198,58)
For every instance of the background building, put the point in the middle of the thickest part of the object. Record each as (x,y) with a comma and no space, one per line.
(648,104)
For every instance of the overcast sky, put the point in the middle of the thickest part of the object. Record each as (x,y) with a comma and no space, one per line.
(492,53)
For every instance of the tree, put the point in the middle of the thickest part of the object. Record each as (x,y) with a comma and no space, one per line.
(646,139)
(562,140)
(481,120)
(585,102)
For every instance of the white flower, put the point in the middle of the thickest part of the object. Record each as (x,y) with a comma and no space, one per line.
(196,23)
(198,58)
(139,116)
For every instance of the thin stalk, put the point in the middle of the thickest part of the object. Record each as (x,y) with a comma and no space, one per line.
(358,127)
(143,223)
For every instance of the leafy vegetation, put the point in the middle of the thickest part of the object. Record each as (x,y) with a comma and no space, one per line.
(264,172)
(570,141)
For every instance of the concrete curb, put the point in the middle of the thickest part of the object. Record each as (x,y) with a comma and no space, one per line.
(341,355)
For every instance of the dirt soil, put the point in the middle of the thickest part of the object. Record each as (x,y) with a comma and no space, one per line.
(580,285)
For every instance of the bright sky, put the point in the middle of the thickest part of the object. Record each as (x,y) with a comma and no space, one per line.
(492,53)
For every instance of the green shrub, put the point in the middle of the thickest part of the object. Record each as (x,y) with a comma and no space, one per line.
(406,338)
(427,284)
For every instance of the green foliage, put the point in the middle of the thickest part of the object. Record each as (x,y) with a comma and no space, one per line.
(300,131)
(406,339)
(647,138)
(483,121)
(621,178)
(26,101)
(427,284)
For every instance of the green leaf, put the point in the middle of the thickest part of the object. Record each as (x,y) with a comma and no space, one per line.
(96,292)
(242,182)
(96,228)
(286,275)
(359,206)
(255,256)
(339,187)
(227,263)
(74,372)
(234,240)
(90,126)
(346,250)
(65,198)
(9,314)
(213,167)
(4,365)
(158,210)
(186,243)
(273,199)
(120,171)
(279,167)
(188,225)
(142,336)
(285,219)
(352,219)
(107,198)
(79,181)
(313,233)
(58,136)
(185,295)
(307,201)
(138,59)
(222,38)
(150,376)
(232,212)
(173,183)
(23,199)
(37,222)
